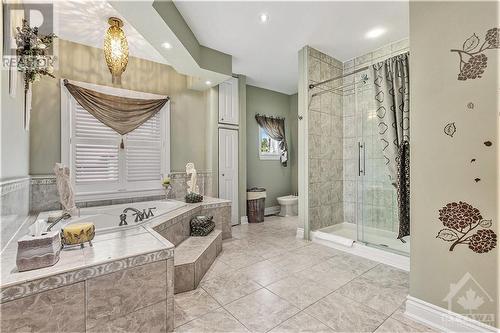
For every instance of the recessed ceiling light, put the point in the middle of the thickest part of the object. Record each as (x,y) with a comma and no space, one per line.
(375,32)
(264,17)
(166,45)
(208,82)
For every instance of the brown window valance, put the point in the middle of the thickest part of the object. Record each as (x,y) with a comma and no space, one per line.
(123,114)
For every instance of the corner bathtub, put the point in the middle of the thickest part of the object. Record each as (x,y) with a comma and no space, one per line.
(107,218)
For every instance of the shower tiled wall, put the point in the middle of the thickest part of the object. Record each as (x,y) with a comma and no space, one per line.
(371,199)
(325,143)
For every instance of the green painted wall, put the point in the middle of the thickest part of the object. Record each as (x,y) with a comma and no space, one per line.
(191,110)
(270,174)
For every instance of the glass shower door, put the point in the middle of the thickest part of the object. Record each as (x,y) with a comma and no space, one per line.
(377,215)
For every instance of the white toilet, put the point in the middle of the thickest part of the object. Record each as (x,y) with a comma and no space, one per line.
(289,205)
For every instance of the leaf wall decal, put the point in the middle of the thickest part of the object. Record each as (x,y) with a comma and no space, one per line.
(486,223)
(447,235)
(471,43)
(450,129)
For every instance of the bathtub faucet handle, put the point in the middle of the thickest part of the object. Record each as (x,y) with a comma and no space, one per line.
(150,212)
(123,219)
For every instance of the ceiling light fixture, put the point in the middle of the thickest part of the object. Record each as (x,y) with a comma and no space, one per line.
(375,32)
(264,17)
(116,49)
(166,45)
(208,82)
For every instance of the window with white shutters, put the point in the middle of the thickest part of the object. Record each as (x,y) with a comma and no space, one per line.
(99,166)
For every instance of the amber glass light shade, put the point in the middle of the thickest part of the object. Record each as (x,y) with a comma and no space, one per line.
(116,49)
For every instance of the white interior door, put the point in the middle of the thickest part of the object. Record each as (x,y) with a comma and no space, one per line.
(228,169)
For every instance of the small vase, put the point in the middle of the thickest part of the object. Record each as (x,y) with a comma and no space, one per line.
(167,189)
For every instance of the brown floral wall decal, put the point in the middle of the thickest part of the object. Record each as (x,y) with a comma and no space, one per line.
(460,220)
(450,129)
(470,106)
(473,61)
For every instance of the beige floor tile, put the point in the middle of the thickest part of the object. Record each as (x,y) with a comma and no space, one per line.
(217,268)
(318,251)
(192,304)
(330,273)
(261,310)
(379,297)
(292,262)
(388,276)
(299,291)
(238,257)
(228,287)
(345,315)
(264,272)
(301,323)
(216,321)
(358,265)
(394,326)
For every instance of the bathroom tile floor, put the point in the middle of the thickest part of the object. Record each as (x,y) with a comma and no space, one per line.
(267,280)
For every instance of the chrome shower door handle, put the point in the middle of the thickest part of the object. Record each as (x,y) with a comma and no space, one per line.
(361,159)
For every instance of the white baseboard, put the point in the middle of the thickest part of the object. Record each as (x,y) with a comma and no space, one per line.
(442,319)
(272,210)
(300,233)
(362,250)
(244,220)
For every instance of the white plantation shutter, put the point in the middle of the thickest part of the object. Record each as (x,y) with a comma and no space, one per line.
(99,167)
(95,152)
(144,151)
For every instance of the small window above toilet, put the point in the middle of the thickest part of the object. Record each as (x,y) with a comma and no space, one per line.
(268,148)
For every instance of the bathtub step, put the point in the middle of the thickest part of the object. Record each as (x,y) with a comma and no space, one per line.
(192,259)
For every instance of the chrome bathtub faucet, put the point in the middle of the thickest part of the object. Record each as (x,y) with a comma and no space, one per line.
(138,214)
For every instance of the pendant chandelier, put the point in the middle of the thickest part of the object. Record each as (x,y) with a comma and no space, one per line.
(116,49)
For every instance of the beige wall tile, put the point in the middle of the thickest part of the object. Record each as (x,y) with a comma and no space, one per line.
(57,310)
(151,319)
(117,294)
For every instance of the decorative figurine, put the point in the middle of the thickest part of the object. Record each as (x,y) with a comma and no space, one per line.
(192,187)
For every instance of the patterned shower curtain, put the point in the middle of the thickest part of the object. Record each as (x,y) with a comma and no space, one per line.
(392,95)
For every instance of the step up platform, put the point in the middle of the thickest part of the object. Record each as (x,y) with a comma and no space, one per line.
(192,259)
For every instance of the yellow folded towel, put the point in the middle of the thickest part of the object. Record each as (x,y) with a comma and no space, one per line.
(78,233)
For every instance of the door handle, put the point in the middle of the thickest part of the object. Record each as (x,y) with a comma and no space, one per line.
(222,175)
(361,167)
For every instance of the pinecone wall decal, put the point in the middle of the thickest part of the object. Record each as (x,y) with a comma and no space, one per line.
(465,225)
(473,61)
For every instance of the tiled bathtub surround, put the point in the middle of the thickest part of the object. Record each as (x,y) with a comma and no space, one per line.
(108,285)
(179,186)
(325,143)
(44,197)
(371,199)
(124,282)
(14,207)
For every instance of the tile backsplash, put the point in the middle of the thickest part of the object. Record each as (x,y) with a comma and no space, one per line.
(44,197)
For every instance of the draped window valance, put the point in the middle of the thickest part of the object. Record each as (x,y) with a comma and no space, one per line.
(275,128)
(122,114)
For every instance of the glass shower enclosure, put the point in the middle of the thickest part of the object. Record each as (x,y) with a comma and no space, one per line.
(363,207)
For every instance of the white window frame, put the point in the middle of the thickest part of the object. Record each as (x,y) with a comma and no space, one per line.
(67,118)
(268,156)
